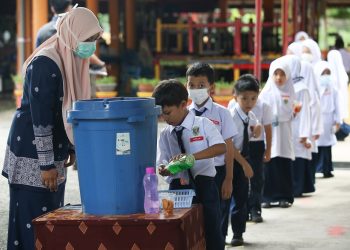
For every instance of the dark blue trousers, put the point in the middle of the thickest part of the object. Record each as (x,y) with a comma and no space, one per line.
(256,157)
(207,194)
(27,203)
(302,177)
(312,165)
(239,199)
(323,160)
(224,204)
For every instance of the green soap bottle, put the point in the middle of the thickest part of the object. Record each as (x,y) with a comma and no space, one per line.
(185,162)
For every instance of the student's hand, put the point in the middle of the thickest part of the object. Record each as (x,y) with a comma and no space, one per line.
(248,171)
(267,155)
(302,140)
(256,130)
(307,144)
(49,179)
(226,189)
(337,127)
(177,157)
(315,137)
(70,160)
(163,171)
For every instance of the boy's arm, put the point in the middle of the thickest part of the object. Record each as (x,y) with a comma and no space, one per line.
(248,171)
(268,139)
(226,189)
(210,152)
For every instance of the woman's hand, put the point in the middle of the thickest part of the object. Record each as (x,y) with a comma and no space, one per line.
(70,160)
(49,179)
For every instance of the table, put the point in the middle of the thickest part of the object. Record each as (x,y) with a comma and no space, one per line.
(68,228)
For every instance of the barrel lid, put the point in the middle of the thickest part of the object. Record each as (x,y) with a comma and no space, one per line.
(117,107)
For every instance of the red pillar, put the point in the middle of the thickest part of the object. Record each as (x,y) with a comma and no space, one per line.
(257,42)
(285,4)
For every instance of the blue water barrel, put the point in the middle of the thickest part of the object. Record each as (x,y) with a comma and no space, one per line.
(115,140)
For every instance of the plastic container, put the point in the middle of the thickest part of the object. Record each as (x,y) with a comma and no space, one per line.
(115,140)
(183,197)
(150,185)
(184,163)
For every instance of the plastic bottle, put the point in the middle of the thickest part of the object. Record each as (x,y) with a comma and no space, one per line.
(150,184)
(185,162)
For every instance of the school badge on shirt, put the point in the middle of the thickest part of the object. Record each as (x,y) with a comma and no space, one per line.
(196,136)
(285,99)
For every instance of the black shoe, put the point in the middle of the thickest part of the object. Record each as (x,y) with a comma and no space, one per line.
(256,217)
(284,204)
(328,175)
(237,241)
(266,205)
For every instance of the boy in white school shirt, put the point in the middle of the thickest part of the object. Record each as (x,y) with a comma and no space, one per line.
(200,138)
(246,93)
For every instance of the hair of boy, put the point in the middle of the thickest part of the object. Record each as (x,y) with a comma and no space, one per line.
(170,92)
(246,82)
(201,69)
(60,6)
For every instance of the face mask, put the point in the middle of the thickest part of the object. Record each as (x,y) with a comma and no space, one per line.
(325,80)
(198,96)
(85,49)
(307,57)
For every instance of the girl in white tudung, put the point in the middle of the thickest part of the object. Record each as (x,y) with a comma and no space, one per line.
(301,36)
(310,51)
(311,82)
(340,79)
(301,127)
(331,118)
(279,94)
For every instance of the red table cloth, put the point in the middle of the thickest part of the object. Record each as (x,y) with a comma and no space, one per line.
(68,228)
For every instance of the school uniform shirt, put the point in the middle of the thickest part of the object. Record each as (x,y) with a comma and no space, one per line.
(238,117)
(231,104)
(311,82)
(281,101)
(263,114)
(330,109)
(301,124)
(199,133)
(221,118)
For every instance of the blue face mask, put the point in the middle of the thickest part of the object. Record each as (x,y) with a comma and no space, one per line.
(85,49)
(325,80)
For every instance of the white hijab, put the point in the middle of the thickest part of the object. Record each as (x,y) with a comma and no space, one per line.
(280,98)
(294,64)
(314,48)
(327,104)
(299,35)
(295,48)
(340,79)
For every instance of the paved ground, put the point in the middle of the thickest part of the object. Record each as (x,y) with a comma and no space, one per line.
(318,221)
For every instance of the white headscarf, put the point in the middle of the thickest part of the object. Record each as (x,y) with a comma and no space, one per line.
(327,104)
(340,79)
(280,98)
(314,48)
(295,48)
(311,81)
(299,35)
(294,64)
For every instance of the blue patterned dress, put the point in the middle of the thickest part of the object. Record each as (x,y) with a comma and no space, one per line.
(37,141)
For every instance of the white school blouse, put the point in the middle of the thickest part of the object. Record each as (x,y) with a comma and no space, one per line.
(221,118)
(199,133)
(301,124)
(238,115)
